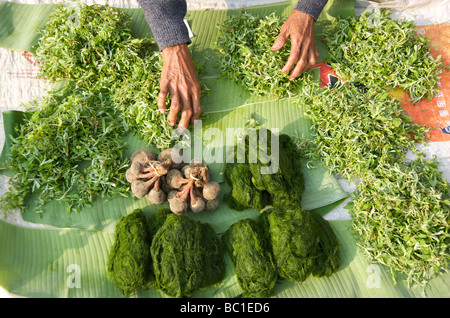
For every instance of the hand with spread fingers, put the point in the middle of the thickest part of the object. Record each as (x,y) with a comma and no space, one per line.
(299,27)
(179,80)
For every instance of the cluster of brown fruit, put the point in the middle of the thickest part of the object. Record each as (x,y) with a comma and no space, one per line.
(184,186)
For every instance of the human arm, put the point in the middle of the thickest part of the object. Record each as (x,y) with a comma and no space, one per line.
(178,76)
(299,27)
(311,7)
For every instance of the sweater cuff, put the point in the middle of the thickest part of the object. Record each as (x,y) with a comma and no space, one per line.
(170,33)
(313,8)
(166,22)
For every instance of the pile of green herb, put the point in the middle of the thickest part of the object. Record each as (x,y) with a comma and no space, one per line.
(92,46)
(356,128)
(187,256)
(303,243)
(245,44)
(253,187)
(68,148)
(376,50)
(79,43)
(129,263)
(135,95)
(364,134)
(251,252)
(401,214)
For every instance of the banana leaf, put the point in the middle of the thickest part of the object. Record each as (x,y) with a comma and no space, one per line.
(69,260)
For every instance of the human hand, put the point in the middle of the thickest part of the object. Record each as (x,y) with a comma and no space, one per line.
(300,28)
(179,79)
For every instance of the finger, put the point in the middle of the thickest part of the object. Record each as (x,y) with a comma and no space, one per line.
(292,60)
(174,109)
(186,113)
(280,41)
(301,65)
(316,52)
(313,50)
(196,105)
(312,58)
(162,99)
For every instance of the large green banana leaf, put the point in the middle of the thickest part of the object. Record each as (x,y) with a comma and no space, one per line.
(70,260)
(54,262)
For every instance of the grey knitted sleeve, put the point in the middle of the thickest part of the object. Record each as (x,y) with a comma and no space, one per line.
(311,7)
(165,18)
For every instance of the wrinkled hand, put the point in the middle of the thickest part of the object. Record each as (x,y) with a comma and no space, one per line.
(179,79)
(300,28)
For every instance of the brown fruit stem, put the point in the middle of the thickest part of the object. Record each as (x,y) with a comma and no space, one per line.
(148,175)
(153,180)
(183,194)
(157,184)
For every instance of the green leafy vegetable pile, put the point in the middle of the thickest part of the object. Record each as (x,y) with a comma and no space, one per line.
(245,44)
(400,211)
(375,50)
(92,46)
(105,85)
(68,148)
(356,128)
(165,251)
(79,41)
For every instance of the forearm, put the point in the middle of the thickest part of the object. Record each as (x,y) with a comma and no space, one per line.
(165,18)
(311,7)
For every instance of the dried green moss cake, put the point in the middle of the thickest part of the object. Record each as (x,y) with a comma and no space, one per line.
(251,252)
(187,256)
(286,184)
(303,243)
(129,262)
(250,188)
(243,192)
